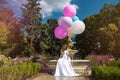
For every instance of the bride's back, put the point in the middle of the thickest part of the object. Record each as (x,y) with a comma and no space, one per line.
(63,51)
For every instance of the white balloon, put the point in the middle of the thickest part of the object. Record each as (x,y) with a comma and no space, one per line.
(78,27)
(65,21)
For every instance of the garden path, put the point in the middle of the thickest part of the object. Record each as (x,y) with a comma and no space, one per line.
(46,76)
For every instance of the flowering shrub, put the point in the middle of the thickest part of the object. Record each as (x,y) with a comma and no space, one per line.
(21,60)
(8,61)
(98,59)
(45,64)
(43,61)
(104,68)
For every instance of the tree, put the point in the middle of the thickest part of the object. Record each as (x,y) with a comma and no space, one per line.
(14,30)
(47,43)
(39,38)
(2,2)
(31,20)
(109,39)
(3,36)
(86,42)
(51,41)
(31,13)
(96,40)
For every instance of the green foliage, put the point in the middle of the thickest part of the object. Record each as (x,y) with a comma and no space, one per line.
(10,30)
(2,60)
(87,41)
(44,42)
(31,20)
(102,33)
(105,73)
(31,13)
(5,61)
(53,44)
(108,40)
(19,72)
(114,63)
(3,34)
(28,50)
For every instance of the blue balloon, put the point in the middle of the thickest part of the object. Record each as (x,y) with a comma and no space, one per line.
(75,18)
(73,36)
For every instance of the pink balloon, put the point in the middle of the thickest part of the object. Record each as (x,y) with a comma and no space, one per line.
(60,32)
(65,21)
(70,11)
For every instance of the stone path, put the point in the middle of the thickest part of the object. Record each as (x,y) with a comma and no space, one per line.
(78,65)
(46,76)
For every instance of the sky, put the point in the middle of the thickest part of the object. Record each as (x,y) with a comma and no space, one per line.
(53,8)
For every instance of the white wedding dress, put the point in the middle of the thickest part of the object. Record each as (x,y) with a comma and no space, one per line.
(64,67)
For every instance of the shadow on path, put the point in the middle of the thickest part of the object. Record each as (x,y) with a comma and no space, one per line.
(46,76)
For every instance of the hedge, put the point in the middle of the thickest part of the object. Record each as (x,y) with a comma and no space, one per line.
(105,73)
(114,63)
(20,71)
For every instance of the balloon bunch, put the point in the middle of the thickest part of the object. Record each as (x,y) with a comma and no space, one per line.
(69,23)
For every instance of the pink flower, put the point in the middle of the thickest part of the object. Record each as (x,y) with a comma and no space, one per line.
(20,61)
(15,62)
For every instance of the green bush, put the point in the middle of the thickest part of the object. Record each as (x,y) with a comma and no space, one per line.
(105,73)
(5,61)
(19,72)
(114,63)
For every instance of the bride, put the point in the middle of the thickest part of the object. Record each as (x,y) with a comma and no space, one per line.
(64,67)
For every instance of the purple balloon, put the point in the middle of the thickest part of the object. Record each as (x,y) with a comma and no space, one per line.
(70,11)
(60,32)
(65,22)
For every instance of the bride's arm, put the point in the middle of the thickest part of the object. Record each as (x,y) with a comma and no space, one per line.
(68,55)
(61,54)
(68,52)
